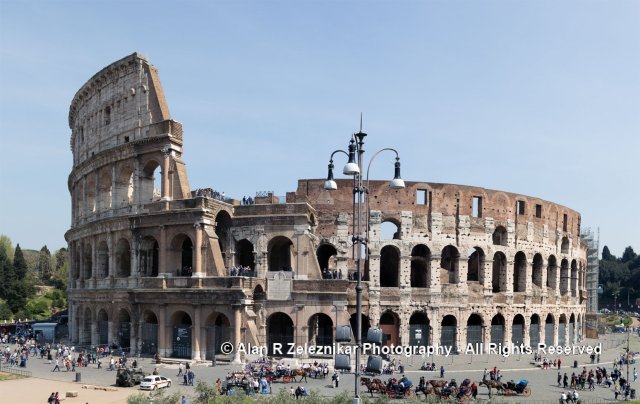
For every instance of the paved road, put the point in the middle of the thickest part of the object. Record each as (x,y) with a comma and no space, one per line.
(542,382)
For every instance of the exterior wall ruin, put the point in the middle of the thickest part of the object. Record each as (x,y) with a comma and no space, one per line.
(151,261)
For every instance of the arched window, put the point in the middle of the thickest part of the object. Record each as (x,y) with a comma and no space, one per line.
(420,266)
(499,273)
(280,251)
(500,236)
(519,272)
(389,266)
(449,264)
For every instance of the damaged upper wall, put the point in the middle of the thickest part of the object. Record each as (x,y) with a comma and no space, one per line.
(448,200)
(122,103)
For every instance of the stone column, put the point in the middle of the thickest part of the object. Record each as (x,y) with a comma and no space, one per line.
(136,182)
(486,336)
(81,260)
(526,338)
(544,277)
(162,253)
(166,162)
(197,251)
(197,332)
(556,322)
(436,287)
(95,336)
(558,270)
(97,190)
(112,255)
(237,324)
(487,267)
(528,273)
(509,276)
(94,259)
(162,330)
(114,187)
(84,196)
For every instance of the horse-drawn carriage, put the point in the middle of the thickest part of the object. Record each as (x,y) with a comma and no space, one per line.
(399,388)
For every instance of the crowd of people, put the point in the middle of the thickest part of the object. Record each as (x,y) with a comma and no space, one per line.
(241,271)
(247,200)
(329,274)
(209,193)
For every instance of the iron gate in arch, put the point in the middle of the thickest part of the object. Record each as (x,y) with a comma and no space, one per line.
(182,342)
(517,334)
(421,331)
(475,336)
(124,334)
(103,332)
(448,336)
(548,334)
(534,335)
(562,329)
(216,335)
(497,334)
(149,339)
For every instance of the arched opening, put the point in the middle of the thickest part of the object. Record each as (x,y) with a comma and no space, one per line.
(182,334)
(104,189)
(149,335)
(574,278)
(389,230)
(536,270)
(449,265)
(420,266)
(497,329)
(102,266)
(517,330)
(562,330)
(366,324)
(448,332)
(86,327)
(150,182)
(280,251)
(91,194)
(123,258)
(564,247)
(419,329)
(389,266)
(549,328)
(499,236)
(218,328)
(327,255)
(564,277)
(572,328)
(320,330)
(552,273)
(103,327)
(149,252)
(519,272)
(390,326)
(534,331)
(499,273)
(124,187)
(475,332)
(88,261)
(475,265)
(244,254)
(223,227)
(279,334)
(124,329)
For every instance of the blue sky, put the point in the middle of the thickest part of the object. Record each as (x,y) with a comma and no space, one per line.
(535,97)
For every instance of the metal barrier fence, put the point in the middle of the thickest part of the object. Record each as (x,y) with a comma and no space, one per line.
(15,371)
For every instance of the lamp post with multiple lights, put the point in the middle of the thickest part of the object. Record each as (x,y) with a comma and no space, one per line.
(356,146)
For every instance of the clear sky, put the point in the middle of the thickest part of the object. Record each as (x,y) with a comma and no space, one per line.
(534,97)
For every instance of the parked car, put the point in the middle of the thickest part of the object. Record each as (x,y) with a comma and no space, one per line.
(154,382)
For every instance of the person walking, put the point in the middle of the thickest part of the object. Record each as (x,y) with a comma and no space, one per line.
(180,369)
(559,379)
(57,367)
(441,371)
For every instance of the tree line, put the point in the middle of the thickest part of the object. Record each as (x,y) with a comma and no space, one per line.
(620,278)
(33,283)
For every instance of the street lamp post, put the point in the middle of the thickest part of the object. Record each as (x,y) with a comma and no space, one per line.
(359,242)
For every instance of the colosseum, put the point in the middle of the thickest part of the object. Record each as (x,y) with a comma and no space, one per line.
(156,267)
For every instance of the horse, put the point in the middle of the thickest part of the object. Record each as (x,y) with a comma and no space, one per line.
(426,389)
(299,372)
(493,384)
(373,385)
(437,383)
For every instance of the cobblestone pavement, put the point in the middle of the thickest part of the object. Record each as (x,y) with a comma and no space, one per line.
(542,382)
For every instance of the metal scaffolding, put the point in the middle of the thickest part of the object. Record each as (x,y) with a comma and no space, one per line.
(592,242)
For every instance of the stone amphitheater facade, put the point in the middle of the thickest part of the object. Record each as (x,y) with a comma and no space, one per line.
(149,261)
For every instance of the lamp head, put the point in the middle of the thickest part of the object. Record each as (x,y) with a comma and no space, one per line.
(330,184)
(352,167)
(397,182)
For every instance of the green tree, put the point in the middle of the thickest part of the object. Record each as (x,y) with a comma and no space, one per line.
(19,263)
(44,264)
(6,245)
(606,254)
(628,255)
(6,273)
